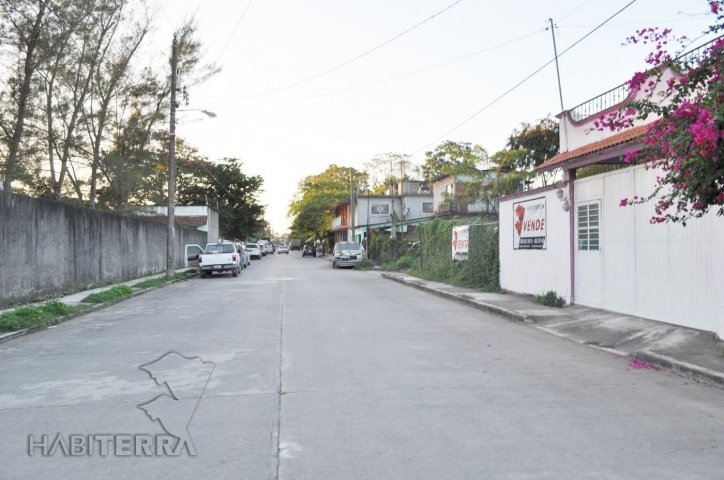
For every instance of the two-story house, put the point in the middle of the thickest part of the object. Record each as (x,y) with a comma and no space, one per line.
(404,206)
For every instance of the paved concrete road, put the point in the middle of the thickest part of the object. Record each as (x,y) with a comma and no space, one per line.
(336,374)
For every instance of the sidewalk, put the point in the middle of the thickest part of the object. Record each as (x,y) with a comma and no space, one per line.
(75,299)
(686,351)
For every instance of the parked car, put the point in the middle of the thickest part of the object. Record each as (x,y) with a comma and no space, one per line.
(269,248)
(347,255)
(283,249)
(254,251)
(309,250)
(245,260)
(220,257)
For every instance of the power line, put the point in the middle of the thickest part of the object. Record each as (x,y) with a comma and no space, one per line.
(355,58)
(524,80)
(388,79)
(573,11)
(201,162)
(232,33)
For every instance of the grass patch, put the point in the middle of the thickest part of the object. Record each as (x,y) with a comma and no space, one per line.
(402,263)
(365,264)
(110,295)
(34,316)
(153,282)
(550,299)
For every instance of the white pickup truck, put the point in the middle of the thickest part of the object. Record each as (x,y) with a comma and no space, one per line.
(220,257)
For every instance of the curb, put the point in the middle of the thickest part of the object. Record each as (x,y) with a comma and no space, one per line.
(682,368)
(486,307)
(6,337)
(676,366)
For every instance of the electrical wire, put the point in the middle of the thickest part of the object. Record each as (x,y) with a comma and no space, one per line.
(524,80)
(355,58)
(232,33)
(388,79)
(573,11)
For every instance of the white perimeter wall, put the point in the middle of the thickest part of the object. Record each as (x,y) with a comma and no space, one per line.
(537,271)
(665,272)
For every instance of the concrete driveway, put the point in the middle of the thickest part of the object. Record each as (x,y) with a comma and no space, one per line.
(335,374)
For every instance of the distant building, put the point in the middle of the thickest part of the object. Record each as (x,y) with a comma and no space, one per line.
(201,217)
(407,204)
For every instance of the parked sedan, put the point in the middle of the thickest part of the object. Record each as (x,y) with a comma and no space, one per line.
(347,255)
(309,250)
(245,258)
(269,248)
(254,251)
(283,249)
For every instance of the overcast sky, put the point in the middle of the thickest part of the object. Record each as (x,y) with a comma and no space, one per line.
(298,131)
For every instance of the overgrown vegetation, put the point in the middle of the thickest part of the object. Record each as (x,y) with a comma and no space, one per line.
(403,263)
(386,249)
(550,299)
(34,316)
(480,271)
(111,295)
(365,264)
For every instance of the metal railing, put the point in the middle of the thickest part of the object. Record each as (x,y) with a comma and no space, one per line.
(618,95)
(601,103)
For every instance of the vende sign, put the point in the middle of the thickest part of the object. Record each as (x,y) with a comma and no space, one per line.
(529,226)
(460,242)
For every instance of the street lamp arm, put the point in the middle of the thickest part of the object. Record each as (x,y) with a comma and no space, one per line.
(206,112)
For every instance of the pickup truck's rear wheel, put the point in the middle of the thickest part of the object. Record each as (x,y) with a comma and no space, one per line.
(235,273)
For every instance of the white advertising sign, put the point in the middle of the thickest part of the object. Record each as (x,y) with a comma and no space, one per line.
(460,242)
(529,227)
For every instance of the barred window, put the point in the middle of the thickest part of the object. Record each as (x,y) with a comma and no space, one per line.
(589,226)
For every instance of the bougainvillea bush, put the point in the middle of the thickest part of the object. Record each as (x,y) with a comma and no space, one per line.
(685,142)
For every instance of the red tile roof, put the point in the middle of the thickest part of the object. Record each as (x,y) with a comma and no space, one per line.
(626,136)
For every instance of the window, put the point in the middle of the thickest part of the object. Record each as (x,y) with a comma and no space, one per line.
(427,207)
(379,209)
(589,226)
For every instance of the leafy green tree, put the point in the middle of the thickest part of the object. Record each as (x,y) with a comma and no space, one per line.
(451,158)
(224,183)
(316,196)
(535,142)
(386,169)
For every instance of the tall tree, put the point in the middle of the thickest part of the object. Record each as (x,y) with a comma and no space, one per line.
(384,170)
(107,79)
(223,184)
(24,22)
(316,196)
(534,144)
(454,158)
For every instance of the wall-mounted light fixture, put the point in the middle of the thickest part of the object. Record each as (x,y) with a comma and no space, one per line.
(565,203)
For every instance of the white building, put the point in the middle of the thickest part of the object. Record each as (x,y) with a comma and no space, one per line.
(575,239)
(411,204)
(201,217)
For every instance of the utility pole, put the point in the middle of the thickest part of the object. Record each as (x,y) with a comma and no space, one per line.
(555,52)
(170,240)
(351,205)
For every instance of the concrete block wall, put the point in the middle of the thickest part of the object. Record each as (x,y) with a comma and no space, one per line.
(50,247)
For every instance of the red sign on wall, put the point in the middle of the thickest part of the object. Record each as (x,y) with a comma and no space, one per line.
(529,225)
